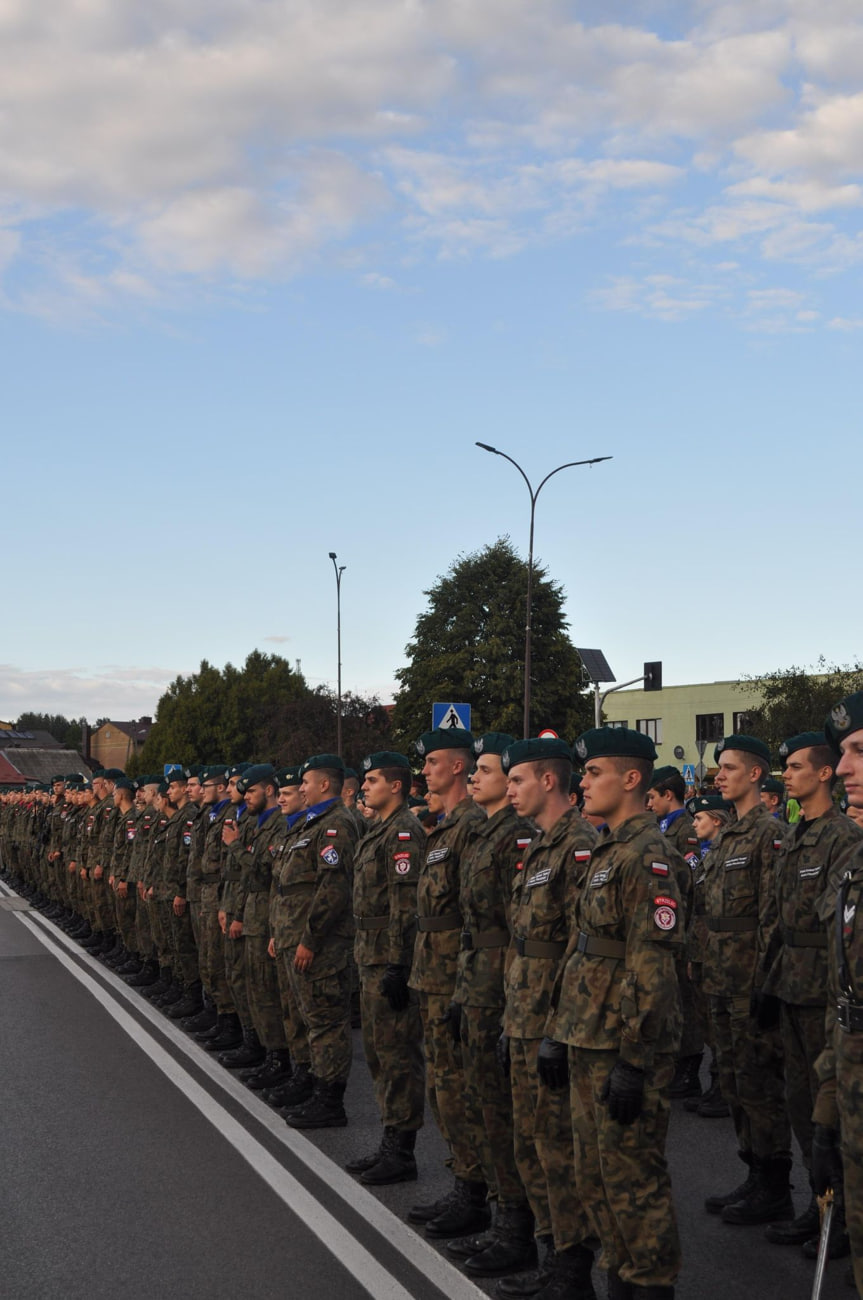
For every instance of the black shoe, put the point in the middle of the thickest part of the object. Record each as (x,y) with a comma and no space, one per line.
(570,1276)
(229,1037)
(463,1248)
(250,1052)
(770,1198)
(522,1285)
(428,1210)
(712,1105)
(96,939)
(174,993)
(324,1109)
(467,1212)
(133,966)
(513,1248)
(275,1071)
(163,983)
(716,1204)
(296,1092)
(207,1018)
(396,1163)
(146,977)
(362,1163)
(189,1004)
(213,1031)
(618,1289)
(686,1082)
(799,1230)
(838,1245)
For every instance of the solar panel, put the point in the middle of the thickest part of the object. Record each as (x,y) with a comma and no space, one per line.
(596,665)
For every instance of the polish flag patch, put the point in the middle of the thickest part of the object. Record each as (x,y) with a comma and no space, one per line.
(332,832)
(777,844)
(522,844)
(582,855)
(404,835)
(659,868)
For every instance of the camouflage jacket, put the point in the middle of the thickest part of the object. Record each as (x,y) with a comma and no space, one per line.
(315,882)
(543,906)
(125,832)
(696,935)
(618,989)
(740,898)
(90,839)
(842,912)
(386,871)
(233,900)
(144,823)
(211,821)
(281,917)
(439,920)
(106,825)
(194,865)
(258,860)
(805,868)
(682,838)
(153,850)
(490,864)
(169,870)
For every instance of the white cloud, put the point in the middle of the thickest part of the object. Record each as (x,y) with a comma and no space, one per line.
(106,691)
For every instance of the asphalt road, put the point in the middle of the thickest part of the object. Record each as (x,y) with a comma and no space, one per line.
(135,1168)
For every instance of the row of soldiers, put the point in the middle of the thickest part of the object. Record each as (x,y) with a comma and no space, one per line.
(560,979)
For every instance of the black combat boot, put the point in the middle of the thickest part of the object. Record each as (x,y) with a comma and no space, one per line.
(296,1092)
(716,1204)
(163,983)
(838,1244)
(189,1004)
(570,1276)
(146,977)
(522,1285)
(467,1212)
(686,1082)
(250,1052)
(207,1018)
(133,966)
(396,1163)
(116,950)
(462,1248)
(770,1198)
(428,1210)
(513,1248)
(174,993)
(229,1034)
(324,1109)
(361,1163)
(94,940)
(275,1071)
(80,931)
(799,1230)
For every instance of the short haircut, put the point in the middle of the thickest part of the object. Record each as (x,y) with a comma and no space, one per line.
(560,768)
(350,783)
(752,761)
(644,766)
(401,774)
(673,783)
(822,756)
(335,778)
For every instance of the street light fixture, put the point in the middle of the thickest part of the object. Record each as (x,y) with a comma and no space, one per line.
(529,620)
(339,568)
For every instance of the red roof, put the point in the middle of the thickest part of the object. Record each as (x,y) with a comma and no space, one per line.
(10,775)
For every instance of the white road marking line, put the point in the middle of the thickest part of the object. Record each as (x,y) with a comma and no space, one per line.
(408,1243)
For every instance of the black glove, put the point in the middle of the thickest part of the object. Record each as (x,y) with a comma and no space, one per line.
(764,1010)
(553,1064)
(452,1020)
(826,1160)
(501,1051)
(624,1092)
(394,987)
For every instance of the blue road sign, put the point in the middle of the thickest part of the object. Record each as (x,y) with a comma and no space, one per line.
(689,773)
(451,716)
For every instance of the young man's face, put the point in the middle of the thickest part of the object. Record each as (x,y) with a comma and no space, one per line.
(442,769)
(603,786)
(527,791)
(488,784)
(660,803)
(256,797)
(195,790)
(377,791)
(315,788)
(851,768)
(735,778)
(801,777)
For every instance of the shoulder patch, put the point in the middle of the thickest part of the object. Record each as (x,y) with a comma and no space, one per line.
(665,917)
(582,855)
(330,856)
(403,863)
(404,835)
(331,832)
(659,868)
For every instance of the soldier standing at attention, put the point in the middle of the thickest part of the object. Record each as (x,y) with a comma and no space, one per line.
(617,1006)
(237,829)
(740,894)
(386,871)
(795,990)
(448,756)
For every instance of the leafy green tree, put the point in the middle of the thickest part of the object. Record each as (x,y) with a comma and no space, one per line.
(468,646)
(67,732)
(798,699)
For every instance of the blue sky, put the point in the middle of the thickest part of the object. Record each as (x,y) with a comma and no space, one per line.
(269,270)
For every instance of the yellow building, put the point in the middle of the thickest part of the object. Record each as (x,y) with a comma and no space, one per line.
(678,717)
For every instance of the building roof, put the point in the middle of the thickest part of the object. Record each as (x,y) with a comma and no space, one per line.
(138,730)
(39,764)
(9,775)
(11,739)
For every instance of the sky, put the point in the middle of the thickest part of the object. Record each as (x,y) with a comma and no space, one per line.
(270,268)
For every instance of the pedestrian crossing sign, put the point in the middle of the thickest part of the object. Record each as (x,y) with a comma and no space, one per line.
(451,717)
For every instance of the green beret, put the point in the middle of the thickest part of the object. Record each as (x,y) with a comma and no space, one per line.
(747,744)
(55,779)
(707,803)
(73,776)
(330,761)
(444,738)
(259,774)
(772,785)
(492,742)
(534,751)
(414,802)
(384,758)
(661,774)
(349,771)
(152,778)
(238,769)
(614,742)
(843,719)
(112,773)
(195,769)
(806,740)
(215,772)
(163,788)
(288,776)
(176,772)
(126,783)
(86,785)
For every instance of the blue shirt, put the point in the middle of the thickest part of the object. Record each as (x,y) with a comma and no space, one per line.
(317,808)
(265,815)
(217,808)
(670,819)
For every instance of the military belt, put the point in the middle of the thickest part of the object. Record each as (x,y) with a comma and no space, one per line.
(593,947)
(849,1016)
(539,948)
(732,924)
(257,888)
(231,875)
(804,938)
(452,921)
(371,922)
(211,877)
(484,939)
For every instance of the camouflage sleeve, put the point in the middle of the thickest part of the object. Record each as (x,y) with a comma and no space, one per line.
(769,934)
(403,859)
(650,1000)
(826,1109)
(333,890)
(119,850)
(233,892)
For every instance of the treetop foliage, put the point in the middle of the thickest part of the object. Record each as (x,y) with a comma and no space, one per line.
(798,699)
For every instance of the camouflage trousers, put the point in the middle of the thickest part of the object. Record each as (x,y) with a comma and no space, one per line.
(124,914)
(692,1004)
(296,1034)
(392,1042)
(751,1077)
(543,1148)
(178,931)
(143,927)
(103,904)
(488,1102)
(161,940)
(849,1095)
(802,1043)
(262,993)
(235,974)
(325,1006)
(211,951)
(621,1173)
(445,1089)
(193,902)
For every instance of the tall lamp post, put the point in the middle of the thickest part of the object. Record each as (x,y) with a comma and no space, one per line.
(529,620)
(339,568)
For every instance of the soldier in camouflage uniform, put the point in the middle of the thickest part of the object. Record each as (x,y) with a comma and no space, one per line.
(125,897)
(183,996)
(386,870)
(740,895)
(796,984)
(448,756)
(547,880)
(665,800)
(148,817)
(237,829)
(838,1136)
(219,1020)
(617,1006)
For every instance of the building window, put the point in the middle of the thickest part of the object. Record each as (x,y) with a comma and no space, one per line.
(743,723)
(624,723)
(709,727)
(651,727)
(107,735)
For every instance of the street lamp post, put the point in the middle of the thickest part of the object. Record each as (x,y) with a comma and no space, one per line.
(529,619)
(339,571)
